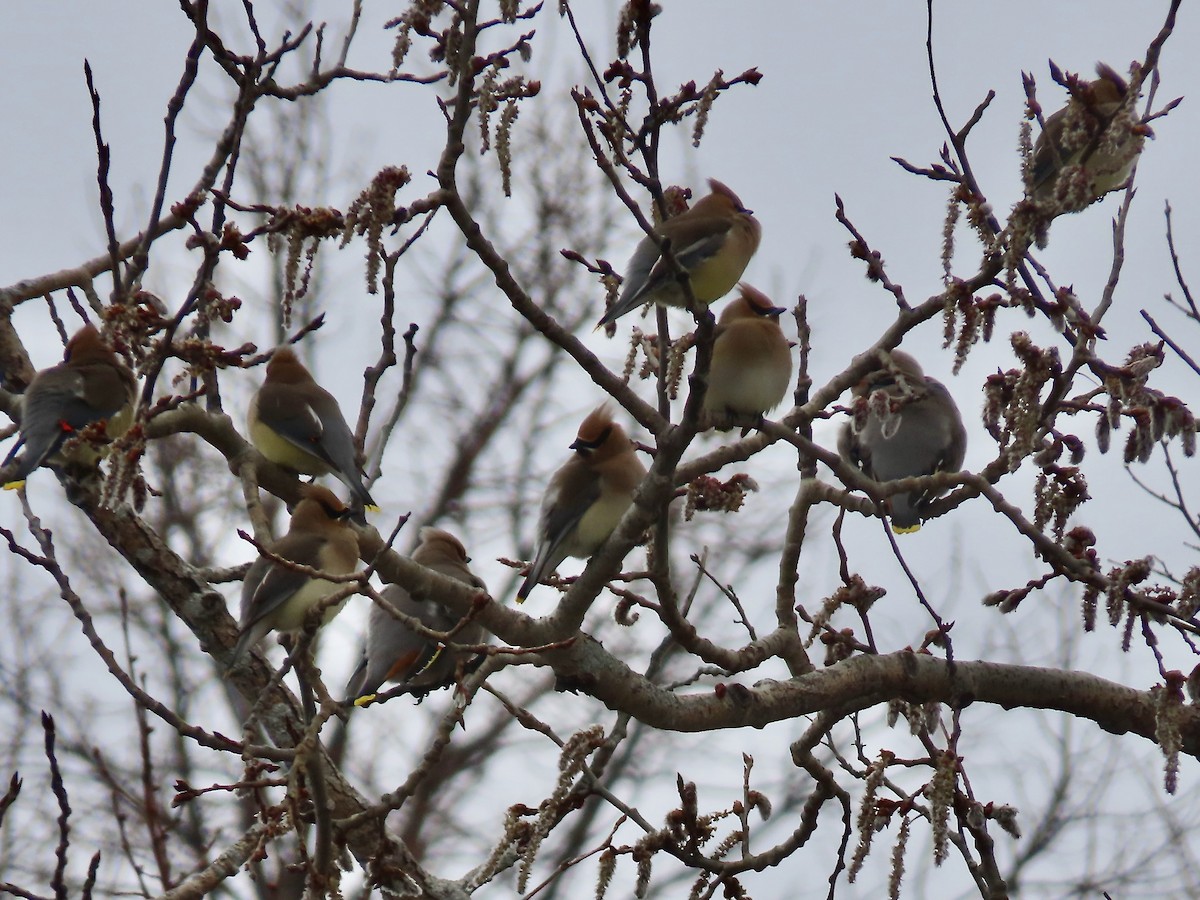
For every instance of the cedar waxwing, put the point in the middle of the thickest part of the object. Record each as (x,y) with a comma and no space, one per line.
(394,652)
(751,365)
(91,384)
(712,242)
(918,436)
(278,598)
(586,497)
(296,423)
(1088,147)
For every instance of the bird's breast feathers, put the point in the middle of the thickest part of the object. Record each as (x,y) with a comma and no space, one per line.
(598,523)
(289,615)
(716,276)
(289,448)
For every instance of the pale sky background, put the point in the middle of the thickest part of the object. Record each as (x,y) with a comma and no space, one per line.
(845,86)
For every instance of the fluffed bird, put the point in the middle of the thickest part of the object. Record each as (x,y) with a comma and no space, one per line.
(1088,147)
(91,384)
(276,597)
(712,242)
(751,367)
(586,497)
(395,652)
(909,430)
(296,423)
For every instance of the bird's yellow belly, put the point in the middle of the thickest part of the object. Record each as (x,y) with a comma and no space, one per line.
(597,524)
(714,278)
(284,453)
(291,615)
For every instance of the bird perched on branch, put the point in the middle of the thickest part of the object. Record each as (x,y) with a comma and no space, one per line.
(751,365)
(90,385)
(277,597)
(1088,147)
(712,243)
(296,423)
(396,652)
(586,497)
(906,424)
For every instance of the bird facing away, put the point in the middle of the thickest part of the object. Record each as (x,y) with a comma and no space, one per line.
(296,423)
(586,497)
(395,652)
(712,242)
(1088,147)
(751,367)
(91,384)
(919,434)
(276,597)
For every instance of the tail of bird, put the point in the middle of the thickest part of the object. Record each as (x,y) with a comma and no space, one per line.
(626,303)
(363,502)
(547,560)
(30,460)
(613,313)
(250,636)
(356,691)
(531,581)
(904,516)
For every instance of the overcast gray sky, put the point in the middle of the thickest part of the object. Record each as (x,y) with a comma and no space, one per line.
(845,88)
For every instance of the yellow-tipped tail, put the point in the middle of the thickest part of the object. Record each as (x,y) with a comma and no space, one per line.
(364,700)
(14,485)
(906,529)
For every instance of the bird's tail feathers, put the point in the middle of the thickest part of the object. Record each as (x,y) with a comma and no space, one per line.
(536,570)
(618,309)
(904,513)
(250,636)
(356,689)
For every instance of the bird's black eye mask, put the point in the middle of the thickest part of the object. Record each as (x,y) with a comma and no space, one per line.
(585,447)
(770,312)
(338,514)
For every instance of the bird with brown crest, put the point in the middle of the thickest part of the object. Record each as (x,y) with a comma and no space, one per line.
(586,497)
(277,597)
(910,426)
(712,242)
(395,651)
(1088,147)
(90,385)
(751,366)
(297,424)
